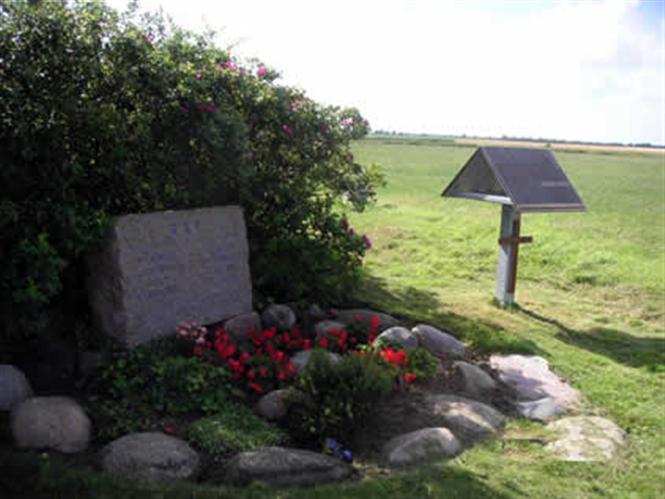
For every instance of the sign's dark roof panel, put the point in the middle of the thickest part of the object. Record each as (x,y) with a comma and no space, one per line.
(529,179)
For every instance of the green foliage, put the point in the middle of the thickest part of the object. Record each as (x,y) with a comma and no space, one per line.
(421,363)
(102,114)
(332,400)
(151,383)
(232,430)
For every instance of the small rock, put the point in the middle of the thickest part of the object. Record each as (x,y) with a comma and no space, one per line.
(282,466)
(301,359)
(437,342)
(14,387)
(349,316)
(273,405)
(473,381)
(531,379)
(420,446)
(401,336)
(586,438)
(243,324)
(315,314)
(323,327)
(278,316)
(539,410)
(150,456)
(50,422)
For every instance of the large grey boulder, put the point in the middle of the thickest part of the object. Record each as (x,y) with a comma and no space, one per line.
(585,438)
(14,387)
(438,342)
(280,317)
(149,456)
(531,379)
(243,324)
(302,358)
(469,420)
(474,382)
(420,446)
(282,466)
(400,335)
(352,315)
(57,423)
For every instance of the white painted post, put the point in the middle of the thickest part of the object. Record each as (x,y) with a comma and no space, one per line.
(507,262)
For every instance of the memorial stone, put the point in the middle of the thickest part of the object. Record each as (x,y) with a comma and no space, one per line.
(155,270)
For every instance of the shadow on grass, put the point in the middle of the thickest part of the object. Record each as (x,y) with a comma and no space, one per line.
(622,347)
(414,306)
(26,474)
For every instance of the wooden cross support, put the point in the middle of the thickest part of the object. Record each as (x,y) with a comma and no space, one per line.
(509,241)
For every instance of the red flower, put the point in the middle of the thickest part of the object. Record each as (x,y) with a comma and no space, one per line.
(282,375)
(198,351)
(169,430)
(323,342)
(244,357)
(250,374)
(290,368)
(286,338)
(307,345)
(255,387)
(263,372)
(409,378)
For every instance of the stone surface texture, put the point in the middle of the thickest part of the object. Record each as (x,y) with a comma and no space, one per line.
(57,423)
(282,466)
(153,457)
(420,446)
(540,410)
(586,438)
(156,270)
(348,316)
(14,387)
(400,335)
(278,316)
(531,379)
(473,381)
(273,405)
(243,324)
(438,342)
(469,420)
(301,359)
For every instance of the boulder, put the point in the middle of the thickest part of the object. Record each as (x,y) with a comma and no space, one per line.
(539,410)
(585,438)
(282,466)
(322,328)
(473,382)
(57,423)
(281,317)
(301,359)
(438,342)
(349,316)
(243,324)
(531,379)
(273,405)
(14,387)
(150,456)
(420,446)
(400,335)
(469,420)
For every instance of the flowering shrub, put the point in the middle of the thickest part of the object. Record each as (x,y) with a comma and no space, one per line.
(150,117)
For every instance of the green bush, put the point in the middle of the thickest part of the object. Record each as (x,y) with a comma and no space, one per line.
(149,384)
(332,400)
(102,114)
(234,430)
(422,363)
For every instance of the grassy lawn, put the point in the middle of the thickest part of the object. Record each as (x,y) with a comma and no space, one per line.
(591,294)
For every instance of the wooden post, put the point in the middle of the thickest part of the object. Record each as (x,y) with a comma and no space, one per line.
(506,270)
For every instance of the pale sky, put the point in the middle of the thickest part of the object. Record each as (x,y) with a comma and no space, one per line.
(575,70)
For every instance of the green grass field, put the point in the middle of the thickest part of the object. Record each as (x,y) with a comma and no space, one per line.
(591,294)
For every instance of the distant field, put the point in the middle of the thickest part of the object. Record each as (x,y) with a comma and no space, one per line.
(591,291)
(561,146)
